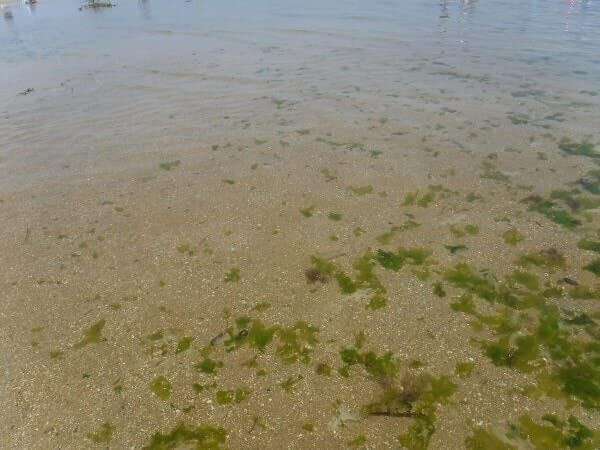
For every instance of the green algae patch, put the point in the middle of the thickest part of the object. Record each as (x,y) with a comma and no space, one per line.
(472,229)
(410,198)
(358,441)
(462,276)
(589,244)
(396,260)
(593,266)
(591,183)
(308,427)
(335,216)
(551,433)
(208,365)
(386,237)
(57,354)
(379,367)
(257,335)
(555,345)
(328,174)
(438,289)
(555,433)
(584,148)
(185,249)
(362,190)
(484,440)
(364,278)
(323,369)
(290,383)
(168,165)
(226,397)
(512,237)
(584,293)
(308,211)
(464,370)
(184,344)
(491,172)
(548,259)
(358,231)
(261,306)
(233,275)
(439,392)
(92,335)
(552,211)
(199,388)
(426,200)
(157,335)
(182,436)
(296,342)
(455,248)
(519,355)
(161,387)
(529,280)
(103,435)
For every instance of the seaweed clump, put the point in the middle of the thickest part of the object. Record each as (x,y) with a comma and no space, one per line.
(201,438)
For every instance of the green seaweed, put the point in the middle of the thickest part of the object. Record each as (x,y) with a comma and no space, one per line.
(233,275)
(593,266)
(529,280)
(323,369)
(472,229)
(358,441)
(426,200)
(102,436)
(555,434)
(419,434)
(520,355)
(308,211)
(208,365)
(381,367)
(589,244)
(290,383)
(157,335)
(553,212)
(438,289)
(161,387)
(335,216)
(258,336)
(296,342)
(261,306)
(512,237)
(462,276)
(464,370)
(455,248)
(410,198)
(198,438)
(395,261)
(184,344)
(584,148)
(185,249)
(308,427)
(168,165)
(484,440)
(362,190)
(548,259)
(225,397)
(92,335)
(358,231)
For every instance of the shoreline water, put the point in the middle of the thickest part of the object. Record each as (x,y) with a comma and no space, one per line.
(316,226)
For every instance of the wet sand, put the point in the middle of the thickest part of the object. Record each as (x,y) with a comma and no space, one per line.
(306,229)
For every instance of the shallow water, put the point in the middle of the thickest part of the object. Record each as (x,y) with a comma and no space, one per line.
(411,179)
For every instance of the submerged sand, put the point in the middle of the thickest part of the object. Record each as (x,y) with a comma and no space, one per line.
(303,247)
